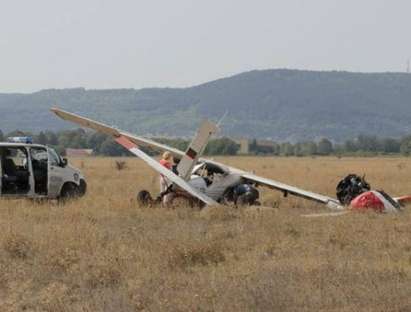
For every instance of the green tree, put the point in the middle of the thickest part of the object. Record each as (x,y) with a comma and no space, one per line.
(390,145)
(298,149)
(253,147)
(287,149)
(179,144)
(95,140)
(52,138)
(41,138)
(350,146)
(325,147)
(222,146)
(111,148)
(309,148)
(73,138)
(1,136)
(368,143)
(405,147)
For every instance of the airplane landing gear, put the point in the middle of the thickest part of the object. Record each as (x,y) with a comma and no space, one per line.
(144,198)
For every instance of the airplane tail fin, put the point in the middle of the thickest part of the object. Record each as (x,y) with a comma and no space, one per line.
(196,148)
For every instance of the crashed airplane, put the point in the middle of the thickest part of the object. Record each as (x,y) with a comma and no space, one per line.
(206,182)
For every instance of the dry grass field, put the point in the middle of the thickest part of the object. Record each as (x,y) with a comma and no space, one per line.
(104,253)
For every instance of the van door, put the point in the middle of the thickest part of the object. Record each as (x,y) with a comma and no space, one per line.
(39,168)
(55,174)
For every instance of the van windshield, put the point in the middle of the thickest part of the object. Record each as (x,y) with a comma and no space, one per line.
(54,158)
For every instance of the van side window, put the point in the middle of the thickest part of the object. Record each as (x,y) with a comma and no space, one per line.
(39,154)
(54,158)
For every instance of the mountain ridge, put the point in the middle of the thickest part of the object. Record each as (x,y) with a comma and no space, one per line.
(280,104)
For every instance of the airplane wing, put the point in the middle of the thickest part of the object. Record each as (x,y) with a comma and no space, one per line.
(132,147)
(330,202)
(288,189)
(111,131)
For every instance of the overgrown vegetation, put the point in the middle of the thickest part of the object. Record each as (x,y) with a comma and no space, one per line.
(104,253)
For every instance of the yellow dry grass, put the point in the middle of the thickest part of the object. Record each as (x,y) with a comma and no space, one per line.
(103,253)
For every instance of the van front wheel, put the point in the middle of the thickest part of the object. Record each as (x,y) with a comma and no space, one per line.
(69,191)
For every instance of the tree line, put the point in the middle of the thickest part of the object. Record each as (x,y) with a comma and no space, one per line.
(105,145)
(363,145)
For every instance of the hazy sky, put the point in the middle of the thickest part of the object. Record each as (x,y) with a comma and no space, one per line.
(136,43)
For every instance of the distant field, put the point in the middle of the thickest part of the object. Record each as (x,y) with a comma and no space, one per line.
(104,253)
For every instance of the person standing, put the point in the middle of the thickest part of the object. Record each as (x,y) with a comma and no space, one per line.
(167,162)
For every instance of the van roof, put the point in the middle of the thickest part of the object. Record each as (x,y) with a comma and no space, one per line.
(9,144)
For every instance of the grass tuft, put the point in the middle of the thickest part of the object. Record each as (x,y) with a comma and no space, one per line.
(18,246)
(203,254)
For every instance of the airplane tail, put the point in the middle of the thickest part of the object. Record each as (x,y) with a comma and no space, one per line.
(196,148)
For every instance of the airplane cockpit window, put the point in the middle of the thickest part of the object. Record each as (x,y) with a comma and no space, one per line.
(207,169)
(209,172)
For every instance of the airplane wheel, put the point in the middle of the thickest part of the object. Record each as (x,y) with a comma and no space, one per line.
(247,199)
(144,198)
(68,192)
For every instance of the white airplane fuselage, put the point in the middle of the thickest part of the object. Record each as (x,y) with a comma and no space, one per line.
(218,187)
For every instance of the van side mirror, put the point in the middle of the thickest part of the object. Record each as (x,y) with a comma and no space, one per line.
(64,162)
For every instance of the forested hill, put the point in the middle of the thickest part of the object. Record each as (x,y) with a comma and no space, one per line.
(279,104)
